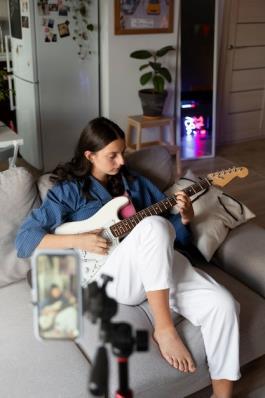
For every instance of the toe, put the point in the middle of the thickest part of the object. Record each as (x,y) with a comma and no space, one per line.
(181,366)
(169,359)
(185,366)
(191,366)
(176,364)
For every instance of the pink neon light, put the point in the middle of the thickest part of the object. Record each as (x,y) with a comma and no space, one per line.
(194,125)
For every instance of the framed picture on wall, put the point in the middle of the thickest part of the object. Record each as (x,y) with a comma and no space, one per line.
(143,16)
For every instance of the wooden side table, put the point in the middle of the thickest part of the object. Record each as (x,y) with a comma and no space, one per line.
(138,122)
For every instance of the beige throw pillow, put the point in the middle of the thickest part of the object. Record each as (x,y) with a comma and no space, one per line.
(18,196)
(215,214)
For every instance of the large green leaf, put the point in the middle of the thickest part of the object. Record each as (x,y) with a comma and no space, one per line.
(159,83)
(141,54)
(164,50)
(165,73)
(144,79)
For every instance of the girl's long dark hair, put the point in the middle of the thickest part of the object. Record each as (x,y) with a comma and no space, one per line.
(96,135)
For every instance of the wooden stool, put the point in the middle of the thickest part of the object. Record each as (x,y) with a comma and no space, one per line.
(139,122)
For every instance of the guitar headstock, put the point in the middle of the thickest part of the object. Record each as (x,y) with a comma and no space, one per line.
(223,177)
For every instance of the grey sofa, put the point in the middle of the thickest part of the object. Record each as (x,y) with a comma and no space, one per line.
(30,368)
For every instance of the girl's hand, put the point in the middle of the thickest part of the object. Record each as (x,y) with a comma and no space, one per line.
(185,207)
(93,242)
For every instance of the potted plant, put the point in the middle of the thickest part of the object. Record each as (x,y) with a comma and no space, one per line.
(153,99)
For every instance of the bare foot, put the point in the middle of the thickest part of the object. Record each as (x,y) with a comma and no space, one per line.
(173,349)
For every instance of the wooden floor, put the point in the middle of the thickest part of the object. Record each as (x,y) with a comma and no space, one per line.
(251,191)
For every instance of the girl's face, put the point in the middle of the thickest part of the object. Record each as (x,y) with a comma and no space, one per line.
(107,161)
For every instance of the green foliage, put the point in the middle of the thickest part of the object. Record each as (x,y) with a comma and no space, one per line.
(159,74)
(4,90)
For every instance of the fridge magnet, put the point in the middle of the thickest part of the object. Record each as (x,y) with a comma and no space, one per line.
(53,7)
(48,37)
(25,22)
(54,37)
(143,16)
(43,8)
(24,6)
(63,29)
(50,23)
(63,10)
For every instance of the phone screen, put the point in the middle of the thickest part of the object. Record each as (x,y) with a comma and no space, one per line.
(57,292)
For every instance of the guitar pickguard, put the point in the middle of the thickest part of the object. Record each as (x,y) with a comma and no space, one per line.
(91,263)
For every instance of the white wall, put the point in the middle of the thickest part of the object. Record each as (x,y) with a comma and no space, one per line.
(120,74)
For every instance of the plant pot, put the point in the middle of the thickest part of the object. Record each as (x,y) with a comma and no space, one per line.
(152,102)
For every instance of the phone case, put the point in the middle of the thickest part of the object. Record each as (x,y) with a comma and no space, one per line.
(59,317)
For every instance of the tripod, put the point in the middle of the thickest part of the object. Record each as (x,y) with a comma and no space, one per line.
(120,335)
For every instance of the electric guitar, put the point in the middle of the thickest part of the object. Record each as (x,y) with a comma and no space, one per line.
(107,218)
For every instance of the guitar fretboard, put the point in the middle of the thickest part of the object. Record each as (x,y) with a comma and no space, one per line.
(123,227)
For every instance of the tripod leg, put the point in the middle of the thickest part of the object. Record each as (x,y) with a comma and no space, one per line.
(98,384)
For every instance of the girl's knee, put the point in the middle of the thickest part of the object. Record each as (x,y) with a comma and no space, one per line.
(224,302)
(158,226)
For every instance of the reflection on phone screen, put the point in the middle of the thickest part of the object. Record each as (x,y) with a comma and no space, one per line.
(58,298)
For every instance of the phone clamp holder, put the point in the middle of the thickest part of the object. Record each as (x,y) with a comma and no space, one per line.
(119,335)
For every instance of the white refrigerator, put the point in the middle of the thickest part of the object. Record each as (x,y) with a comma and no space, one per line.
(56,91)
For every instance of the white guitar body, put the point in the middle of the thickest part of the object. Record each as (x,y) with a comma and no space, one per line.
(103,219)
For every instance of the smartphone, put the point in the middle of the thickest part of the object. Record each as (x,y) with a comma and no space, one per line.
(56,294)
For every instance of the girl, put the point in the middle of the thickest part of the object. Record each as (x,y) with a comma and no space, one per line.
(144,265)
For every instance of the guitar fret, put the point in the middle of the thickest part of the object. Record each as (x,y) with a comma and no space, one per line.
(130,223)
(164,202)
(149,210)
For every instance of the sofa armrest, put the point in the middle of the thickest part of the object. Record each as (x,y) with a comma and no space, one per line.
(243,255)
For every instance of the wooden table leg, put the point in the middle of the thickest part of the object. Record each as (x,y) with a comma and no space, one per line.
(178,162)
(128,136)
(138,136)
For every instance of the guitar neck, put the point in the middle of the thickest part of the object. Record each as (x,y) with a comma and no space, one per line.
(123,227)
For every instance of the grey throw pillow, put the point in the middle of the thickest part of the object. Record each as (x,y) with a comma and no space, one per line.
(215,214)
(18,196)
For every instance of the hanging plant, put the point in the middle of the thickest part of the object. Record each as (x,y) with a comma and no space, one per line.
(82,26)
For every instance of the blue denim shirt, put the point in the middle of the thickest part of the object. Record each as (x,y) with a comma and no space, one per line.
(65,202)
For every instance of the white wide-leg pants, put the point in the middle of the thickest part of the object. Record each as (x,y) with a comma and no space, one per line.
(145,261)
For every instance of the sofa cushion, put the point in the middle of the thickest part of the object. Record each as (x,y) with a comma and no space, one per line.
(31,368)
(18,195)
(154,163)
(215,213)
(44,184)
(243,255)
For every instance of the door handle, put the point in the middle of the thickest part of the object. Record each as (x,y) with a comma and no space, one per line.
(11,92)
(8,60)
